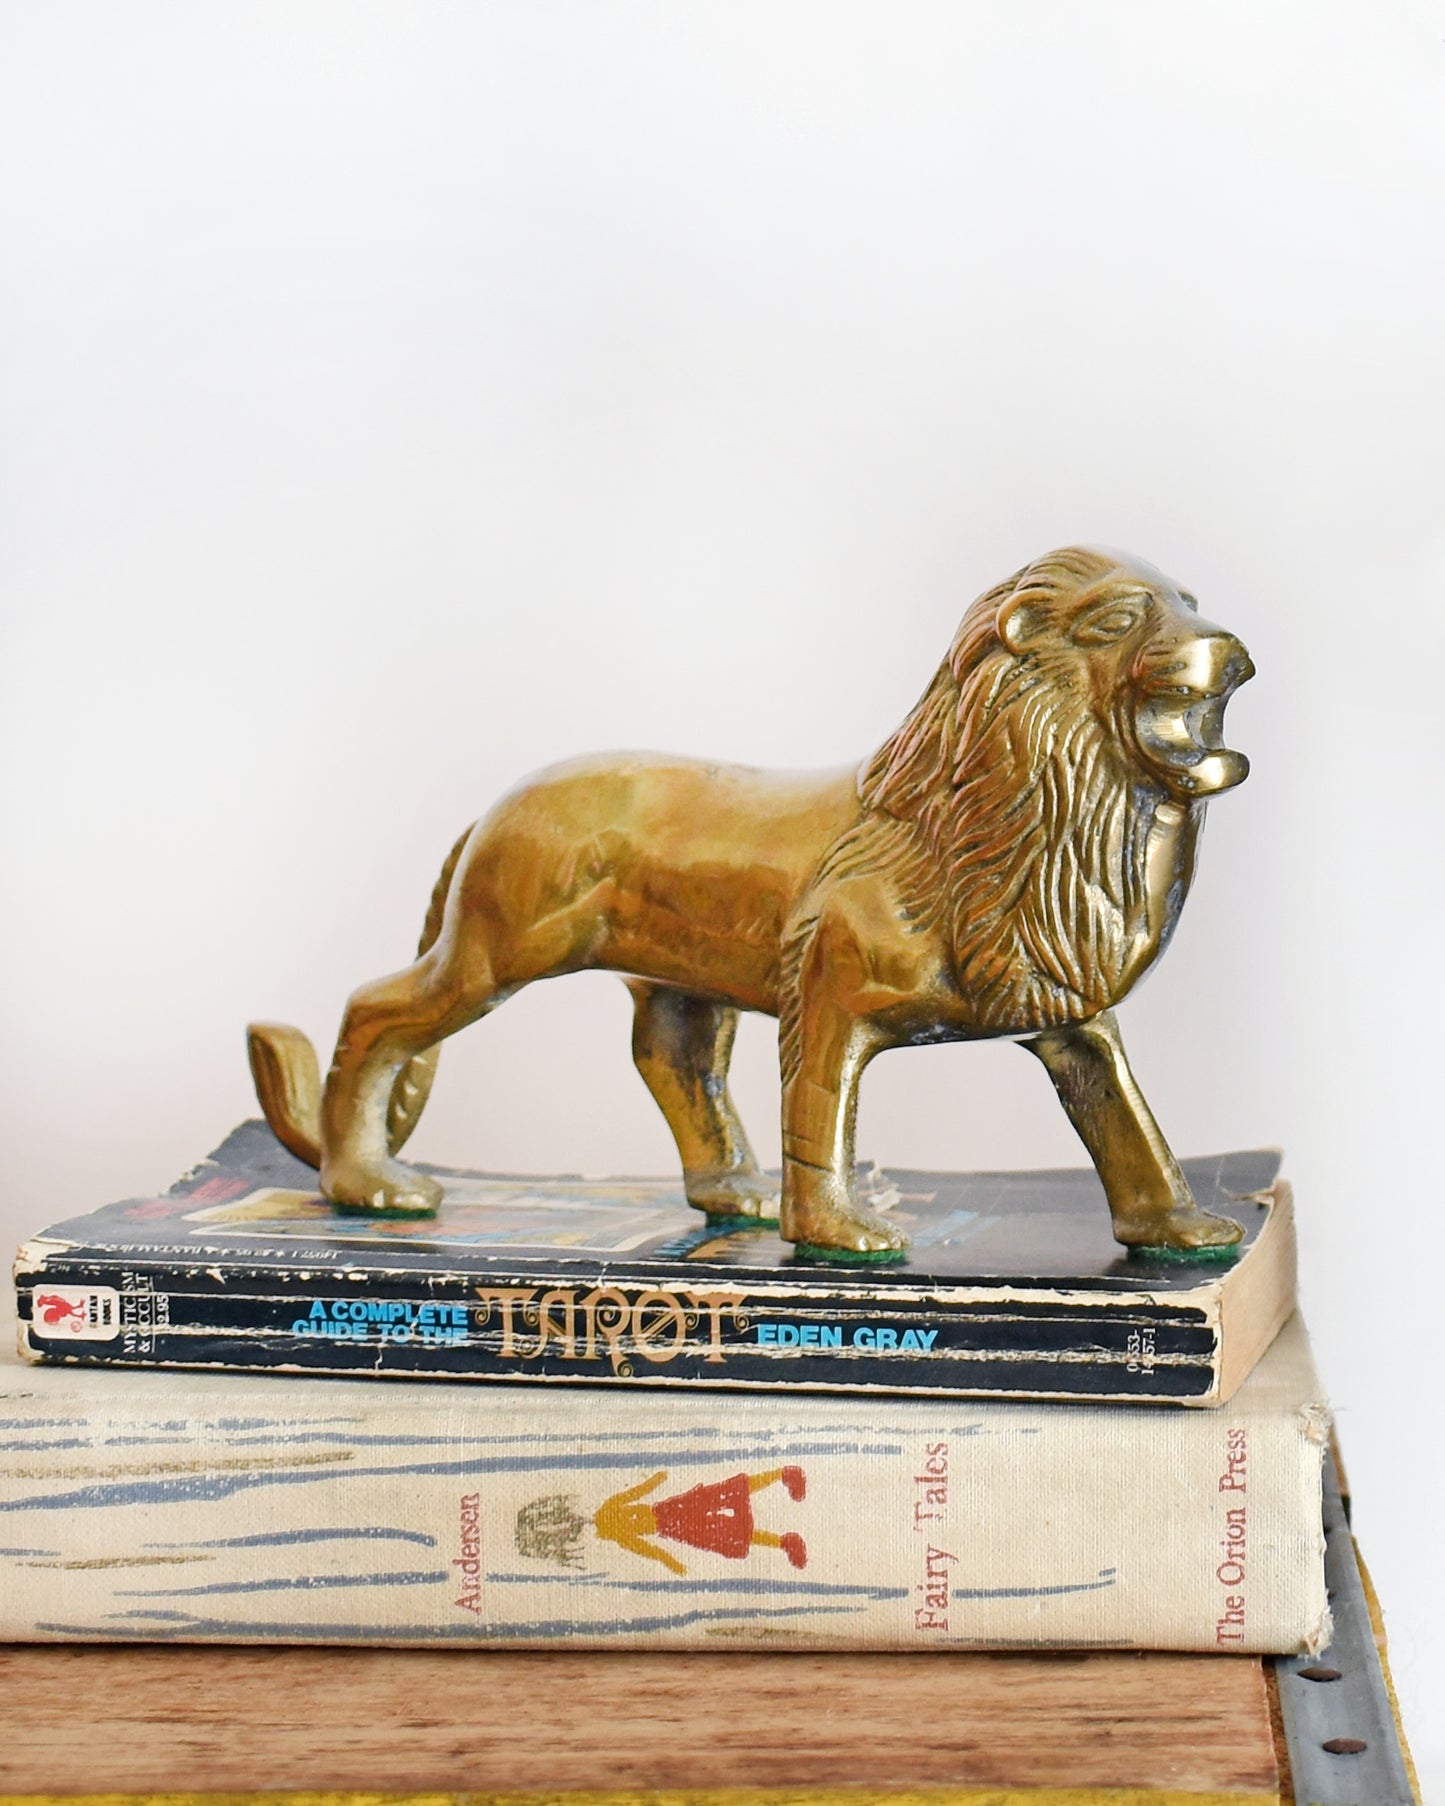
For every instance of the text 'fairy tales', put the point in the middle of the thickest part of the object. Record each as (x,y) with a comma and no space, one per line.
(930,1519)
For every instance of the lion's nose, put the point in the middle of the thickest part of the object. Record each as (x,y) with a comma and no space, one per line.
(1239,667)
(1210,664)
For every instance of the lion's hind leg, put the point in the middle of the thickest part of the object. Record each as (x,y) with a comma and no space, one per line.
(387,1025)
(288,1085)
(682,1045)
(288,1076)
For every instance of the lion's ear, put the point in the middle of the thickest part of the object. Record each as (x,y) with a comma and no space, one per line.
(1021,621)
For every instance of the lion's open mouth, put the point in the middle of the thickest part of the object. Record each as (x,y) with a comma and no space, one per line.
(1180,727)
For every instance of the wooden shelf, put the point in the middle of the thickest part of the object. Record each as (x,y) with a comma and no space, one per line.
(91,1720)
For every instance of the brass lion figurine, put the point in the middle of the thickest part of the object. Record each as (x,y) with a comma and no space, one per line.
(1009,863)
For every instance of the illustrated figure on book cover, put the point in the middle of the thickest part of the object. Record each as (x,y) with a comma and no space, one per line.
(715,1516)
(1008,864)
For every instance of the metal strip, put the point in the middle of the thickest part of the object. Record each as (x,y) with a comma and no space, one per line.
(1339,1698)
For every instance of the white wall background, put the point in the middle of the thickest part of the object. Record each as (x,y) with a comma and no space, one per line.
(397,398)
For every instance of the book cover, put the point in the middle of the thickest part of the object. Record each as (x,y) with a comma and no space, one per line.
(203,1507)
(1014,1287)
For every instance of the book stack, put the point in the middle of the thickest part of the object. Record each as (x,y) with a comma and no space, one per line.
(673,1433)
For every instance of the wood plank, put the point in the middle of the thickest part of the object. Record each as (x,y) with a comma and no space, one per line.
(160,1719)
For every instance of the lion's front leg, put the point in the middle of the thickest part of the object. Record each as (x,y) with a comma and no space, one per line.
(826,1046)
(682,1045)
(1149,1197)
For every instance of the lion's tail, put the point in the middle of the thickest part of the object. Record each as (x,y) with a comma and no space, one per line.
(288,1074)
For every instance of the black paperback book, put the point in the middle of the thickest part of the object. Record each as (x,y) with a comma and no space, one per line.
(1013,1287)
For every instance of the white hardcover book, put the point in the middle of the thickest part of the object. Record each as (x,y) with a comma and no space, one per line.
(238,1508)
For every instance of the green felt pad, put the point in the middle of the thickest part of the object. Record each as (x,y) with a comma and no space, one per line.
(848,1257)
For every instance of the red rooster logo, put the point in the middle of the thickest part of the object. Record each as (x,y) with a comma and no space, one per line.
(53,1309)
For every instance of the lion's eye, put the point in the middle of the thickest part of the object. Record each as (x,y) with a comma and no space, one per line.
(1103,629)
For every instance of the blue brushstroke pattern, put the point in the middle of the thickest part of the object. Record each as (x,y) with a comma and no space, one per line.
(723,1584)
(264,1539)
(1080,1586)
(274,1423)
(559,1629)
(633,1438)
(127,1442)
(193,1487)
(565,1439)
(299,1583)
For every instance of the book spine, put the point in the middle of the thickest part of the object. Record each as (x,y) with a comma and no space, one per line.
(525,1327)
(279,1512)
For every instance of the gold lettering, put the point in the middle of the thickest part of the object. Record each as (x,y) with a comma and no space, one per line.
(505,1297)
(715,1303)
(612,1331)
(644,1336)
(549,1330)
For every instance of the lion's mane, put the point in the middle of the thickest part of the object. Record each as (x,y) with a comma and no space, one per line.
(1004,810)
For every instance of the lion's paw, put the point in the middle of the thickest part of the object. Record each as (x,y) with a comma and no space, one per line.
(1181,1232)
(389,1190)
(744,1192)
(839,1228)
